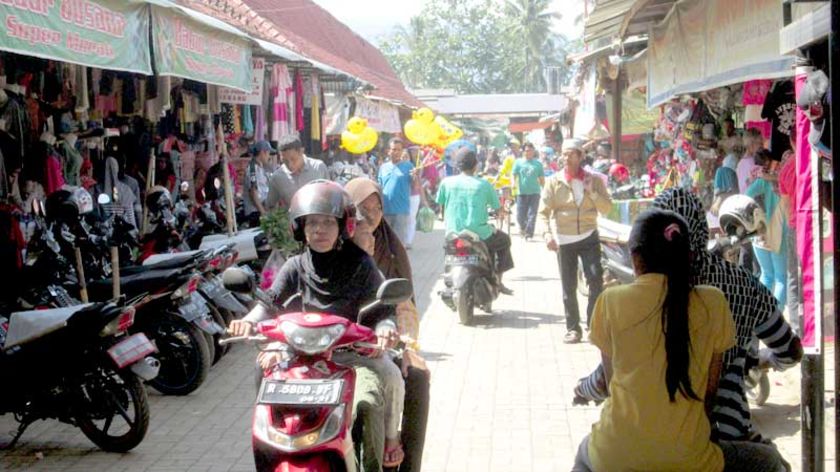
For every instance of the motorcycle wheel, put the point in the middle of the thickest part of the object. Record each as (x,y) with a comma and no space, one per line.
(183,353)
(583,285)
(108,395)
(758,387)
(466,306)
(218,350)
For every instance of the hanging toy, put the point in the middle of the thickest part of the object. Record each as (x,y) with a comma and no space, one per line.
(359,138)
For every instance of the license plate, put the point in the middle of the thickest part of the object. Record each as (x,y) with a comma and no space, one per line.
(461,260)
(300,392)
(131,349)
(211,287)
(193,308)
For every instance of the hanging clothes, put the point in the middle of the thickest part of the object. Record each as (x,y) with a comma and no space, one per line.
(82,101)
(299,91)
(237,119)
(71,163)
(281,86)
(316,108)
(247,121)
(54,177)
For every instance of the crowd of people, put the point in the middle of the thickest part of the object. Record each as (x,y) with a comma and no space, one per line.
(676,344)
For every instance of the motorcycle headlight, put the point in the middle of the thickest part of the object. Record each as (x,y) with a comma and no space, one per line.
(265,432)
(311,340)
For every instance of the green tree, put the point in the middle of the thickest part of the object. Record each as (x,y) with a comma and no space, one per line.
(477,46)
(531,20)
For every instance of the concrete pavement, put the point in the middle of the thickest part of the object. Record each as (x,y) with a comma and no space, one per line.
(501,392)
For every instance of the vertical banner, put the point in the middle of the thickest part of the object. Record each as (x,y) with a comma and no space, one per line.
(252,97)
(185,47)
(107,34)
(808,237)
(585,110)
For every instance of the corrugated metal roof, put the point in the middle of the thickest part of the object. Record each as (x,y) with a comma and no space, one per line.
(499,104)
(618,19)
(606,18)
(317,34)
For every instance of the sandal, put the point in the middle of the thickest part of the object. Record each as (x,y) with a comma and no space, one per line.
(393,456)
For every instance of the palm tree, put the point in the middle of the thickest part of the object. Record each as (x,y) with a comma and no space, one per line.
(532,21)
(412,38)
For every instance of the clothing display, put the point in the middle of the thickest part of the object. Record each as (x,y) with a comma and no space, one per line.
(779,108)
(281,89)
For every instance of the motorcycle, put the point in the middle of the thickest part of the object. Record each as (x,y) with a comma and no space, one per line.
(303,419)
(80,366)
(469,276)
(615,256)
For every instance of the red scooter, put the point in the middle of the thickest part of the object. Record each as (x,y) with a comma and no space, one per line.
(303,419)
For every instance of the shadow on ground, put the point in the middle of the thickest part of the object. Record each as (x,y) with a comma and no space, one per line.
(513,319)
(776,420)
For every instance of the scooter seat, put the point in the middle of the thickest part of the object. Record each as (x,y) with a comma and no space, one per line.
(136,284)
(179,261)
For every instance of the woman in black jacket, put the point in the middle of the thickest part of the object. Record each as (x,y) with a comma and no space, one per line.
(335,276)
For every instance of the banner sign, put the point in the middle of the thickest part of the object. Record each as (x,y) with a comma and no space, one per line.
(807,226)
(107,34)
(381,116)
(585,111)
(254,96)
(185,47)
(704,45)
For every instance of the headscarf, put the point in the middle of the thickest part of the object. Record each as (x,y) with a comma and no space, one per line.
(389,253)
(753,307)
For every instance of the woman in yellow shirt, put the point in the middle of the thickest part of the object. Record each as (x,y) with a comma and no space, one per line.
(662,341)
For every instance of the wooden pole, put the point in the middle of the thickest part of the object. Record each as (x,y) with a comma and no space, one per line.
(115,271)
(80,273)
(150,182)
(230,215)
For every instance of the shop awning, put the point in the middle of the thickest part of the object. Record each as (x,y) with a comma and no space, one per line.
(713,43)
(192,45)
(618,19)
(530,126)
(107,34)
(291,56)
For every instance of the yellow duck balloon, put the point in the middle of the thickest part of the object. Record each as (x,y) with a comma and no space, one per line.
(359,137)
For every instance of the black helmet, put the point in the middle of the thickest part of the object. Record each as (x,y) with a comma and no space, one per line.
(322,197)
(61,206)
(158,199)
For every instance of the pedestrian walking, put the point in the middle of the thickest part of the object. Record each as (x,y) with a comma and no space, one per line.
(529,175)
(297,170)
(395,179)
(256,182)
(573,198)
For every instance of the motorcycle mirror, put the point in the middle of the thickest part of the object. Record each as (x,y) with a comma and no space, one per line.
(37,208)
(237,280)
(217,183)
(103,198)
(394,291)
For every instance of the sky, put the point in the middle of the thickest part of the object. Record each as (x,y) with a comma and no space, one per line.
(374,18)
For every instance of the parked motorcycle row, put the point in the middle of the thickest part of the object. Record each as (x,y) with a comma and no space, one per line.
(154,311)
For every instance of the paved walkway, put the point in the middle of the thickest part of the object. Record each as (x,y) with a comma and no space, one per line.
(501,392)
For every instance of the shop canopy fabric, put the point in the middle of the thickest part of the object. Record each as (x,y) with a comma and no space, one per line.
(107,34)
(712,43)
(196,46)
(114,35)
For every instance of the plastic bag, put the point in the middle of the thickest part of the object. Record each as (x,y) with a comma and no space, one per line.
(425,220)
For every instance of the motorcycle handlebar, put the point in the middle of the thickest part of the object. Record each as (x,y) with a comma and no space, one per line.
(237,339)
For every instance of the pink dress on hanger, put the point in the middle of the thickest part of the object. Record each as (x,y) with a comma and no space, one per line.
(281,84)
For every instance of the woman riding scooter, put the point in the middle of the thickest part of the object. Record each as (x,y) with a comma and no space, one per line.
(335,276)
(391,258)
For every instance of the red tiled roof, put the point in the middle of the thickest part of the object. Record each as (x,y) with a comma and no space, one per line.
(306,28)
